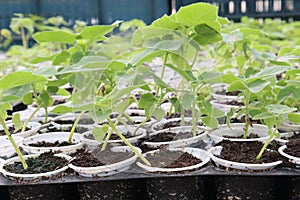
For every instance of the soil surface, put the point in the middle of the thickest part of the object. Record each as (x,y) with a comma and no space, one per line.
(232,103)
(294,137)
(172,159)
(81,121)
(187,113)
(113,136)
(233,93)
(169,136)
(65,129)
(46,162)
(175,124)
(84,158)
(250,136)
(293,148)
(246,152)
(50,144)
(12,129)
(242,120)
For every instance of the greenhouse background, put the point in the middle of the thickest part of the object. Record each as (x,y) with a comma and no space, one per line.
(107,11)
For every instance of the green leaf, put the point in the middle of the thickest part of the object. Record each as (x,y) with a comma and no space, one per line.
(47,100)
(100,116)
(294,117)
(229,78)
(206,34)
(55,36)
(237,85)
(61,109)
(16,120)
(165,22)
(187,100)
(158,113)
(263,115)
(210,121)
(278,109)
(285,92)
(46,71)
(100,132)
(41,59)
(272,71)
(4,109)
(257,85)
(19,78)
(228,117)
(199,13)
(27,99)
(61,57)
(52,89)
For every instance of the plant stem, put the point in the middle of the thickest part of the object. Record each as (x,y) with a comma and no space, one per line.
(46,114)
(30,117)
(140,155)
(11,139)
(24,42)
(194,119)
(140,125)
(162,71)
(74,126)
(106,140)
(268,141)
(247,122)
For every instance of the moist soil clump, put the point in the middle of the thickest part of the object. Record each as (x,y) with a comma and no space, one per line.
(65,129)
(46,162)
(232,103)
(246,152)
(50,144)
(175,124)
(172,159)
(187,113)
(169,136)
(250,136)
(84,158)
(11,130)
(293,148)
(233,93)
(81,121)
(113,136)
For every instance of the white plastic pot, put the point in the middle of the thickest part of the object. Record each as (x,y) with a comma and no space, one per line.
(237,129)
(289,127)
(292,159)
(181,142)
(33,126)
(284,138)
(52,137)
(14,176)
(73,117)
(216,151)
(123,129)
(107,170)
(198,153)
(6,148)
(221,105)
(220,88)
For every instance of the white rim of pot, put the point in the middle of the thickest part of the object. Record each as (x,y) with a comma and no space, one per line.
(33,126)
(292,159)
(31,176)
(107,170)
(181,142)
(52,137)
(237,130)
(288,127)
(223,106)
(122,128)
(7,150)
(71,116)
(222,87)
(198,153)
(284,141)
(238,165)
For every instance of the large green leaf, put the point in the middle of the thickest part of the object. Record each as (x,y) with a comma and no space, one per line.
(199,13)
(55,36)
(257,85)
(165,22)
(278,109)
(272,71)
(19,78)
(206,34)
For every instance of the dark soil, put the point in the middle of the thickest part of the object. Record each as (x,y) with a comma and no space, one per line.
(83,158)
(67,129)
(175,124)
(233,93)
(113,136)
(172,159)
(246,152)
(250,136)
(187,113)
(293,148)
(50,144)
(46,162)
(133,114)
(169,136)
(294,137)
(242,120)
(232,103)
(11,129)
(81,121)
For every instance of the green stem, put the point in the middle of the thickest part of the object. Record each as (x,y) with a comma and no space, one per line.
(74,126)
(30,117)
(23,38)
(106,140)
(46,114)
(194,119)
(268,141)
(140,125)
(162,71)
(140,155)
(247,122)
(25,166)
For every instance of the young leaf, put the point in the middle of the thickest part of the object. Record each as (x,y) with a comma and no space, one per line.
(19,78)
(294,117)
(237,85)
(3,109)
(55,36)
(210,121)
(278,109)
(27,99)
(17,122)
(257,85)
(187,100)
(100,132)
